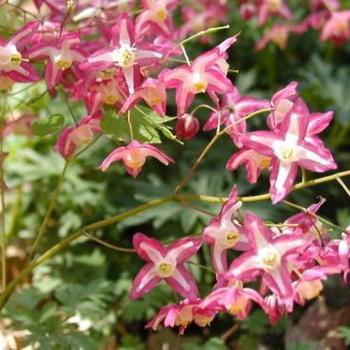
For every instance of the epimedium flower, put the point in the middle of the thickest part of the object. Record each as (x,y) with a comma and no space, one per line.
(13,64)
(134,157)
(62,54)
(75,136)
(268,255)
(234,298)
(165,263)
(234,108)
(289,148)
(253,161)
(207,73)
(223,233)
(157,16)
(124,51)
(182,314)
(268,8)
(153,92)
(279,33)
(337,27)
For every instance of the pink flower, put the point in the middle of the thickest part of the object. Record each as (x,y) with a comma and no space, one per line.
(337,28)
(269,256)
(13,64)
(223,233)
(157,16)
(234,108)
(124,51)
(309,285)
(165,263)
(282,102)
(308,223)
(187,127)
(234,299)
(207,73)
(182,314)
(74,136)
(134,157)
(153,92)
(289,148)
(278,34)
(267,8)
(62,54)
(253,161)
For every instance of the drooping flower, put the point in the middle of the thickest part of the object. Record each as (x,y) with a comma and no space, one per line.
(223,233)
(182,314)
(75,136)
(268,255)
(207,73)
(124,51)
(134,157)
(282,102)
(234,108)
(153,92)
(157,16)
(165,263)
(13,62)
(337,27)
(253,161)
(279,33)
(289,148)
(233,299)
(63,54)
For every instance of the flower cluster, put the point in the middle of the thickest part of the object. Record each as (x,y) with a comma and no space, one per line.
(112,61)
(274,267)
(326,16)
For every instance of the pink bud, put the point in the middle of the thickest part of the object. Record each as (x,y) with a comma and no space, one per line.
(247,11)
(186,127)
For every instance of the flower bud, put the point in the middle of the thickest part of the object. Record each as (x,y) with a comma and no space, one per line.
(247,11)
(186,127)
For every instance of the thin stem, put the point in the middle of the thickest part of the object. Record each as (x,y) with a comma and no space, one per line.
(202,33)
(49,211)
(343,185)
(130,126)
(325,221)
(185,55)
(109,245)
(203,106)
(201,266)
(3,226)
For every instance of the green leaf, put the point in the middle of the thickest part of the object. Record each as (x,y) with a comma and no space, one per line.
(145,126)
(43,127)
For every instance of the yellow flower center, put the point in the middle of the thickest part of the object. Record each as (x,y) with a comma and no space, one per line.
(265,163)
(270,258)
(275,5)
(160,14)
(16,60)
(110,100)
(231,238)
(165,269)
(126,57)
(199,83)
(64,63)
